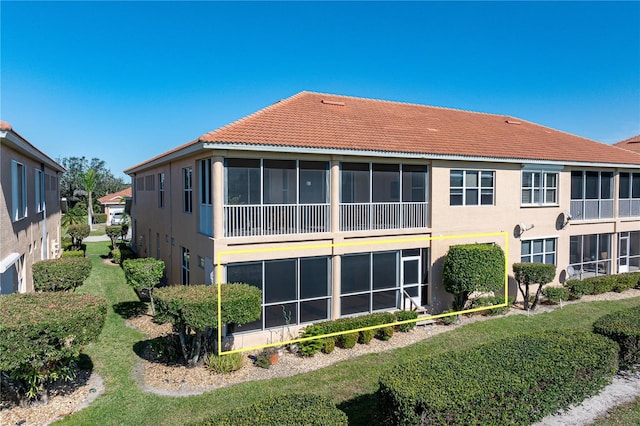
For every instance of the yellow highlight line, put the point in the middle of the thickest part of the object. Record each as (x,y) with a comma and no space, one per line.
(354,244)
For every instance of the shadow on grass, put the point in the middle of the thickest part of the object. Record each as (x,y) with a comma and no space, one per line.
(362,410)
(161,350)
(130,309)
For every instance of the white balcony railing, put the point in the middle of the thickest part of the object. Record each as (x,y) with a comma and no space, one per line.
(629,207)
(275,219)
(591,209)
(368,216)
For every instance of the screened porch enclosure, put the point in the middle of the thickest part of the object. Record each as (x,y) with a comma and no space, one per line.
(272,197)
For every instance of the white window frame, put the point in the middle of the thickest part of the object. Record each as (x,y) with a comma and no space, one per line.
(185,260)
(544,251)
(187,190)
(161,190)
(479,187)
(18,192)
(39,190)
(542,188)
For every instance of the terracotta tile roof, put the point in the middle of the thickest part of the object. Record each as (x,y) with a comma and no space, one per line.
(4,125)
(324,121)
(116,197)
(631,144)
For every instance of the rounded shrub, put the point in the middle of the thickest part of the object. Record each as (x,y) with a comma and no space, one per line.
(41,332)
(365,336)
(63,274)
(516,381)
(406,316)
(624,328)
(603,283)
(310,347)
(556,294)
(347,340)
(328,345)
(579,288)
(385,333)
(72,253)
(282,410)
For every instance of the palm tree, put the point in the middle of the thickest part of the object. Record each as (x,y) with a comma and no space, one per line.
(90,180)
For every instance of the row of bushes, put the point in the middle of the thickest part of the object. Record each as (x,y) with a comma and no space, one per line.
(282,410)
(602,284)
(623,327)
(43,332)
(373,325)
(518,380)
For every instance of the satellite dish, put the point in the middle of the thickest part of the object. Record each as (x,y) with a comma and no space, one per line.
(570,271)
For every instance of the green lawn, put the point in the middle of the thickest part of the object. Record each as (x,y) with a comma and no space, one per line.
(351,384)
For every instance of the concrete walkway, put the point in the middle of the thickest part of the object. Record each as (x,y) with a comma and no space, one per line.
(95,238)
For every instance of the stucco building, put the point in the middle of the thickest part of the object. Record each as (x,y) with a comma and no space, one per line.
(29,210)
(338,206)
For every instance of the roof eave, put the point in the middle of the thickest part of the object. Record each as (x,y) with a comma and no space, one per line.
(21,144)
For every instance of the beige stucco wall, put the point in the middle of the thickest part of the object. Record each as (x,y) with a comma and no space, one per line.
(448,224)
(34,233)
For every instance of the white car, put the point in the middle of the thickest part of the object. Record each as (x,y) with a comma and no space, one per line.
(117,218)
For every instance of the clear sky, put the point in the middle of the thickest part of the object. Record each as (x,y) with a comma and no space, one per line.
(125,81)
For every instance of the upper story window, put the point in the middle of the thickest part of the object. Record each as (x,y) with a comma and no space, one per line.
(161,190)
(18,191)
(591,194)
(539,188)
(243,181)
(39,190)
(187,190)
(206,197)
(629,194)
(471,188)
(383,183)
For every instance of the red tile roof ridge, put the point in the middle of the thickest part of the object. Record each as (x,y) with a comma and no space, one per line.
(116,195)
(632,139)
(5,125)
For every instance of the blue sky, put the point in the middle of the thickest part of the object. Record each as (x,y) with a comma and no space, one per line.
(125,81)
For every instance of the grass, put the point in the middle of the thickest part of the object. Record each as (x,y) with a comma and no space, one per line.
(350,384)
(623,415)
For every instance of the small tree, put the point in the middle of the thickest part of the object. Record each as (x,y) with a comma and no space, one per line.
(63,274)
(144,274)
(528,274)
(113,232)
(193,311)
(472,267)
(78,233)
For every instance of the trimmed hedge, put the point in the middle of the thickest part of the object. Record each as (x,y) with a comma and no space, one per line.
(518,380)
(63,274)
(624,328)
(282,410)
(405,316)
(72,253)
(603,284)
(472,267)
(40,331)
(144,274)
(348,340)
(113,232)
(556,294)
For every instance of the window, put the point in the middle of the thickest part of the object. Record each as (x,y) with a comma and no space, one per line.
(39,190)
(538,251)
(539,188)
(629,194)
(18,190)
(591,194)
(187,190)
(471,187)
(280,185)
(590,255)
(243,181)
(313,182)
(294,291)
(355,187)
(161,190)
(385,183)
(184,267)
(414,183)
(206,192)
(369,282)
(629,252)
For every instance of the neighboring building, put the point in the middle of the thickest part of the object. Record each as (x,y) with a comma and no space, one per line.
(631,144)
(113,205)
(29,210)
(340,206)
